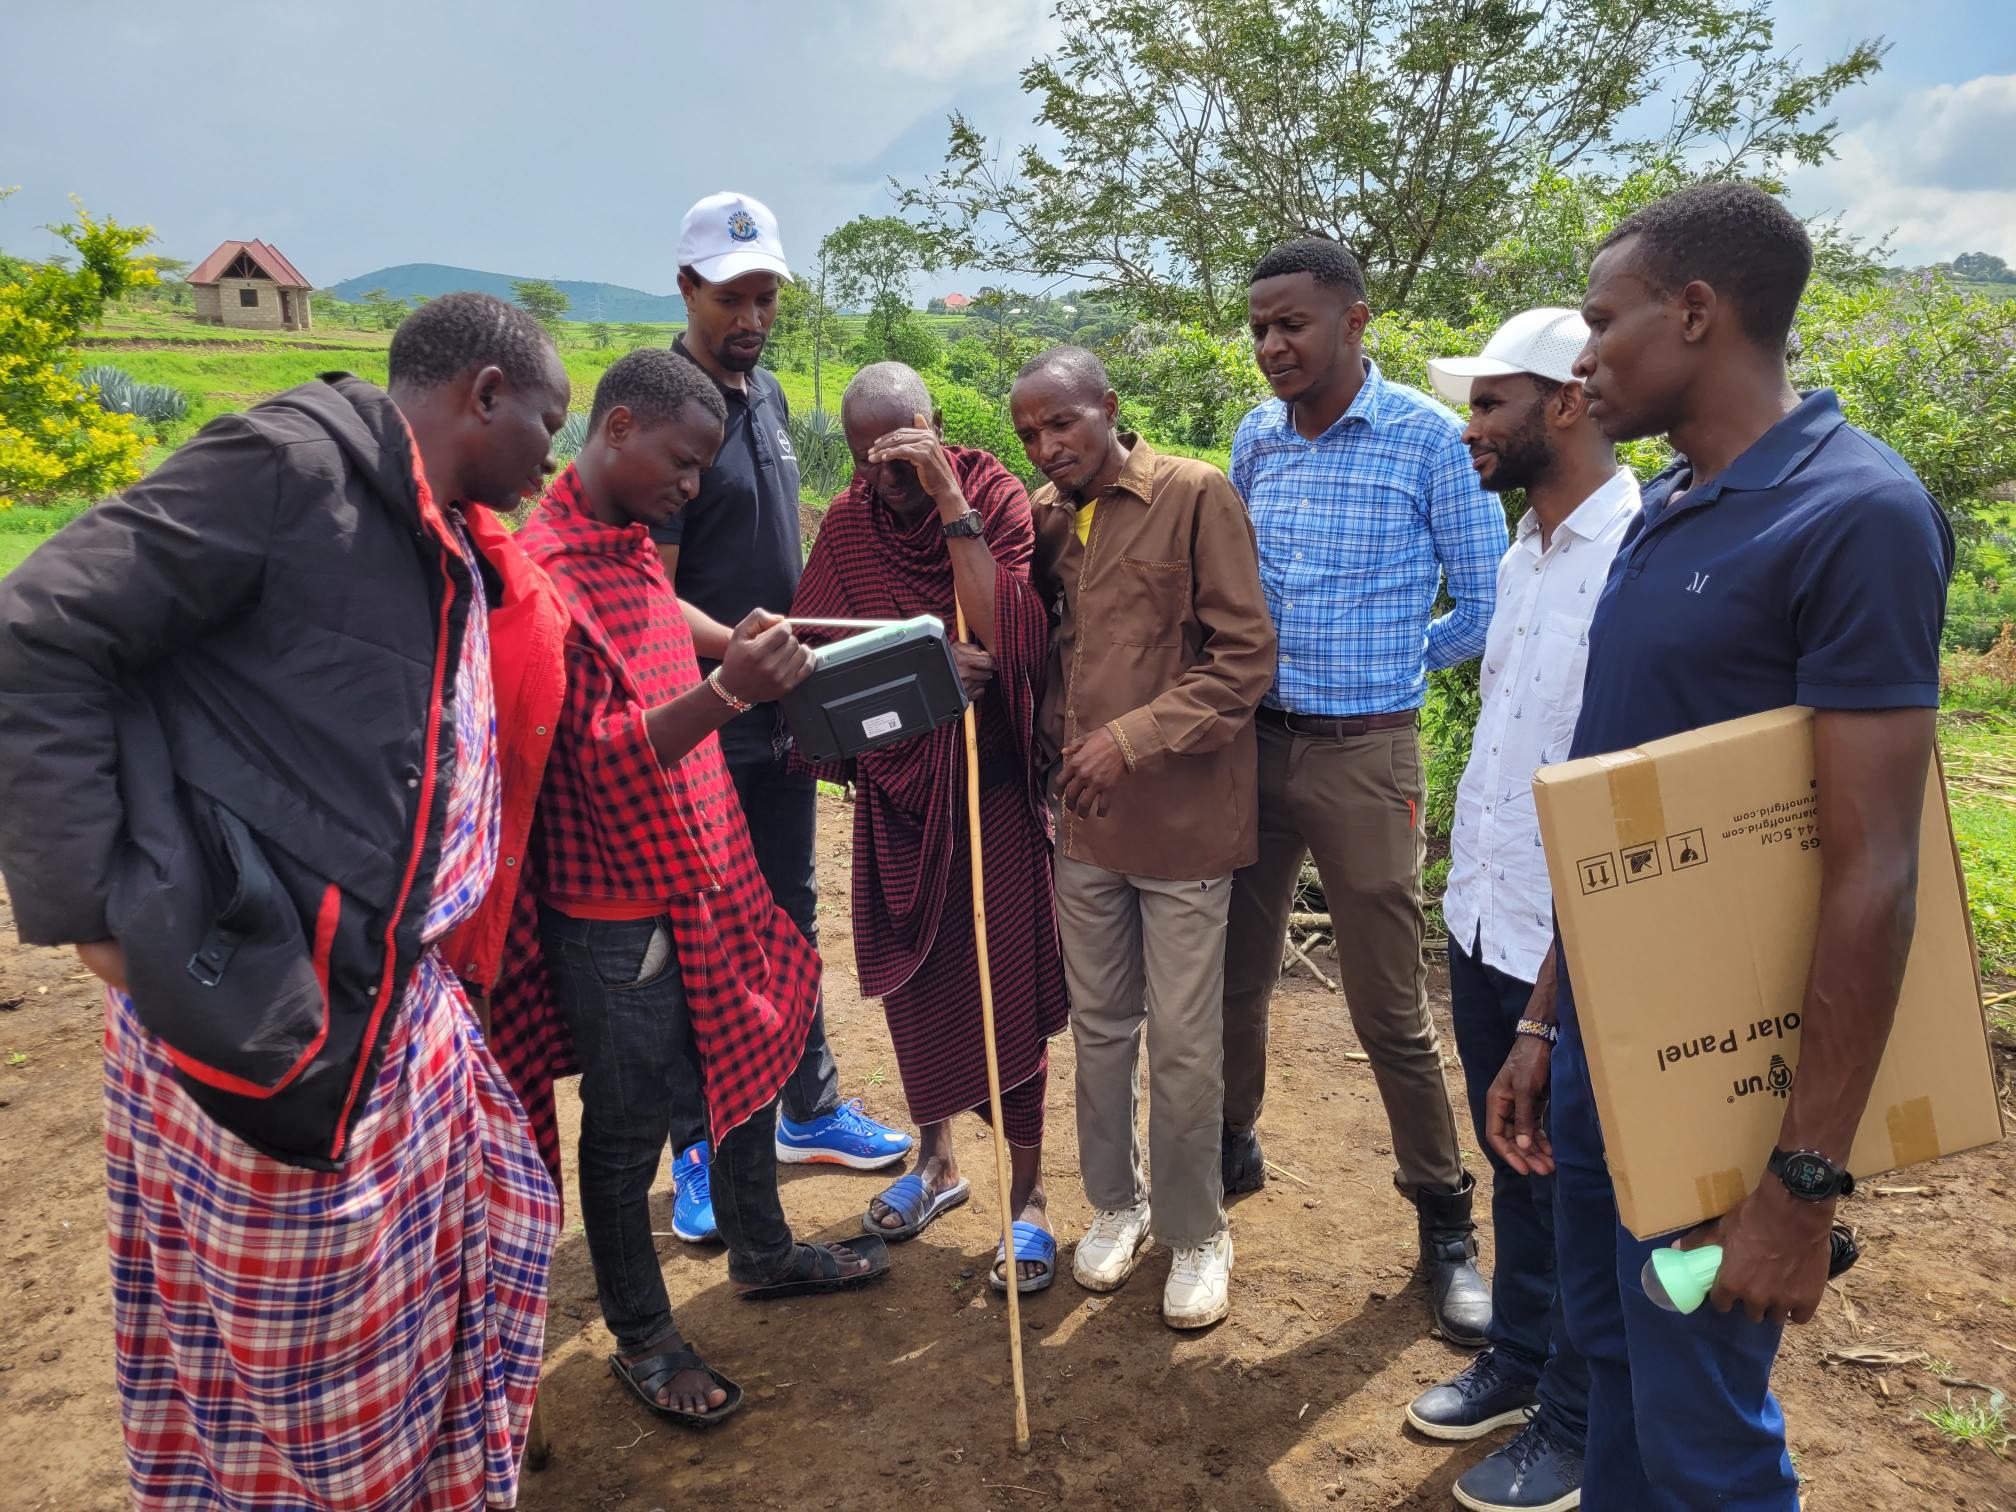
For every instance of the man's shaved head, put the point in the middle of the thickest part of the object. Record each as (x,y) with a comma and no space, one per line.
(1075,372)
(886,397)
(888,391)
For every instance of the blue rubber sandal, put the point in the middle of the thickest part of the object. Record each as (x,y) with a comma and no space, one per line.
(1034,1244)
(908,1198)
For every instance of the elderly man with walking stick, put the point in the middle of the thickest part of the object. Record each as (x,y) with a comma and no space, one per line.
(929,529)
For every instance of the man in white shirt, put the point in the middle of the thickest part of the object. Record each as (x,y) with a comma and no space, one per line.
(1529,429)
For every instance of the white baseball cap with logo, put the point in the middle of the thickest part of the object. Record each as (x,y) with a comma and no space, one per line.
(1544,342)
(727,235)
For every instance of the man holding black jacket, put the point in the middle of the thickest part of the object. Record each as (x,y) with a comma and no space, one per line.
(250,757)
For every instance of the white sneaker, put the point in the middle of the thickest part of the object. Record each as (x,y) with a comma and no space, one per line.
(1111,1248)
(1200,1279)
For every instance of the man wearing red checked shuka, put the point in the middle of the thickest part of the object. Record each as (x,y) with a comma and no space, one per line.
(662,945)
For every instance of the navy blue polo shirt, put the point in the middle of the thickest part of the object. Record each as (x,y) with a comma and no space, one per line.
(739,542)
(1812,571)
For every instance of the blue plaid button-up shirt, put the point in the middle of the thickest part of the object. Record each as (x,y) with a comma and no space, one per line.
(1356,530)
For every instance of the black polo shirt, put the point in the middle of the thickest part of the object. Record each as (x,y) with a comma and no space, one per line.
(739,544)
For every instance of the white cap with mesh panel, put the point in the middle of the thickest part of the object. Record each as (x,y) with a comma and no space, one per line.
(727,235)
(1544,342)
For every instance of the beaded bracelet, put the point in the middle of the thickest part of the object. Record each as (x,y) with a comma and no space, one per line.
(1539,1030)
(740,706)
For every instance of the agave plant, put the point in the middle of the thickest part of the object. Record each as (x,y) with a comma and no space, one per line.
(823,459)
(114,385)
(572,437)
(121,394)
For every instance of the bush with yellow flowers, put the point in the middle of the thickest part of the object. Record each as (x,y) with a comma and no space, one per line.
(55,440)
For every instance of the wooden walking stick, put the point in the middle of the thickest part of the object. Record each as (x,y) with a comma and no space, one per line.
(993,1061)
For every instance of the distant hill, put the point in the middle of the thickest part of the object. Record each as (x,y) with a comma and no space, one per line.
(585,301)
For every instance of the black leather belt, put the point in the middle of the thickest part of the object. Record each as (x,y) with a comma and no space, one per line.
(1337,729)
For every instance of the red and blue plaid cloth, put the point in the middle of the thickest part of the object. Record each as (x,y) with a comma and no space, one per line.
(615,824)
(370,1338)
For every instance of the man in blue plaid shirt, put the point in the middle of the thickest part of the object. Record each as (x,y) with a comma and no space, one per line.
(1364,502)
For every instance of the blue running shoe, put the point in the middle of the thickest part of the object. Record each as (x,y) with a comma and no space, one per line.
(846,1136)
(693,1196)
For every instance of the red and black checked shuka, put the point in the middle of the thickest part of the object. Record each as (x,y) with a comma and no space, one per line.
(616,824)
(913,884)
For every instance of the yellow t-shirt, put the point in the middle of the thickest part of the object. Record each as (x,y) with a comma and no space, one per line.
(1083,523)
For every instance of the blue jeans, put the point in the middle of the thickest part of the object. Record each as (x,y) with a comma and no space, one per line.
(1681,1414)
(782,810)
(1528,1334)
(619,990)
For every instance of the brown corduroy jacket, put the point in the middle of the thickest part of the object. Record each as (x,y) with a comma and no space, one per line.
(1161,635)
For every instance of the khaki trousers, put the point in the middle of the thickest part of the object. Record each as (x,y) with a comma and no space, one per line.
(1146,954)
(1355,802)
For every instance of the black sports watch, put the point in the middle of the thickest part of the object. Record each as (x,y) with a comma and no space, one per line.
(1809,1175)
(968,524)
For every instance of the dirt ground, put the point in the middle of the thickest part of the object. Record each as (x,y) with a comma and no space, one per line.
(900,1394)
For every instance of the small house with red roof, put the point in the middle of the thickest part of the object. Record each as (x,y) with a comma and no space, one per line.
(249,284)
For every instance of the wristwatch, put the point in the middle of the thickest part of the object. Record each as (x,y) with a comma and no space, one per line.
(968,524)
(1809,1175)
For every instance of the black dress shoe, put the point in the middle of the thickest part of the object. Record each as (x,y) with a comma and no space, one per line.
(1244,1167)
(1475,1401)
(1539,1471)
(1459,1299)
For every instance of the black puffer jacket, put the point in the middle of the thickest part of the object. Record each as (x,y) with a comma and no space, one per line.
(224,742)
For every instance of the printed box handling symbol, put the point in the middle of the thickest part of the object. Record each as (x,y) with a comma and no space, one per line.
(1641,862)
(1598,873)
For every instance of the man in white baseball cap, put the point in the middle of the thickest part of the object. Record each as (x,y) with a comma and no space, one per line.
(736,547)
(1529,429)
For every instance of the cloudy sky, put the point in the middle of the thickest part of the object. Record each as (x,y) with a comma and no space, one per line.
(556,141)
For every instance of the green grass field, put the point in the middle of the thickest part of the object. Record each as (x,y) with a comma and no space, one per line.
(224,370)
(14,549)
(1981,782)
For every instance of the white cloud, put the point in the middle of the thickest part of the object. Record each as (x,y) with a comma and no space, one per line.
(1960,133)
(1934,172)
(950,40)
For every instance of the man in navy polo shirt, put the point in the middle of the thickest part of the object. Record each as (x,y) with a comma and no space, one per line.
(734,548)
(1785,558)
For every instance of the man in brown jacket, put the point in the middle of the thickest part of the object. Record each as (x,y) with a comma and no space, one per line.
(1161,652)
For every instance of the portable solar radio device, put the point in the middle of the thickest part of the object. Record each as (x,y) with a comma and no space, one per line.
(892,680)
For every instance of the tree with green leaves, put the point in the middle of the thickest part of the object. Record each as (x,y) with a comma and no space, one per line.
(999,336)
(56,440)
(1983,267)
(330,309)
(169,287)
(539,298)
(1194,134)
(600,336)
(870,262)
(807,328)
(638,334)
(385,308)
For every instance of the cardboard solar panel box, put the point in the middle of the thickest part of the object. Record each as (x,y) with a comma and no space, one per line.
(1686,877)
(889,683)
